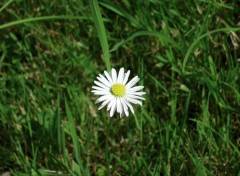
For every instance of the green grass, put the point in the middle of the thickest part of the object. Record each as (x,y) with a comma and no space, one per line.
(186,54)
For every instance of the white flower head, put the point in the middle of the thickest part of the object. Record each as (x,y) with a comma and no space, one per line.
(116,93)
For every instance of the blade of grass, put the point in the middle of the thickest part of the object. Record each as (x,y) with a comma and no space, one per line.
(146,33)
(98,21)
(118,10)
(5,5)
(73,134)
(42,18)
(198,162)
(193,45)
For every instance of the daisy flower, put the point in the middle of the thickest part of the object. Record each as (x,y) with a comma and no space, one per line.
(116,93)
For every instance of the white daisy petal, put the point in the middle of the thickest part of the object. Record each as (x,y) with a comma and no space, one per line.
(104,80)
(119,106)
(135,89)
(101,85)
(98,88)
(125,108)
(136,93)
(102,98)
(110,103)
(108,77)
(103,77)
(129,105)
(126,77)
(116,93)
(97,92)
(105,102)
(113,108)
(134,101)
(114,75)
(132,82)
(120,76)
(135,97)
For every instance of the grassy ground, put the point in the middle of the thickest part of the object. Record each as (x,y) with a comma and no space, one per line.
(186,53)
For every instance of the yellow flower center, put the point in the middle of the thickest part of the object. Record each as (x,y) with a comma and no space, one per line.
(118,90)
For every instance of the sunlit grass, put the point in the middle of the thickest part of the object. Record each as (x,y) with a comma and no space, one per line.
(186,54)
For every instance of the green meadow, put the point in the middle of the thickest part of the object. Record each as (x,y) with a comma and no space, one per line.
(186,53)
